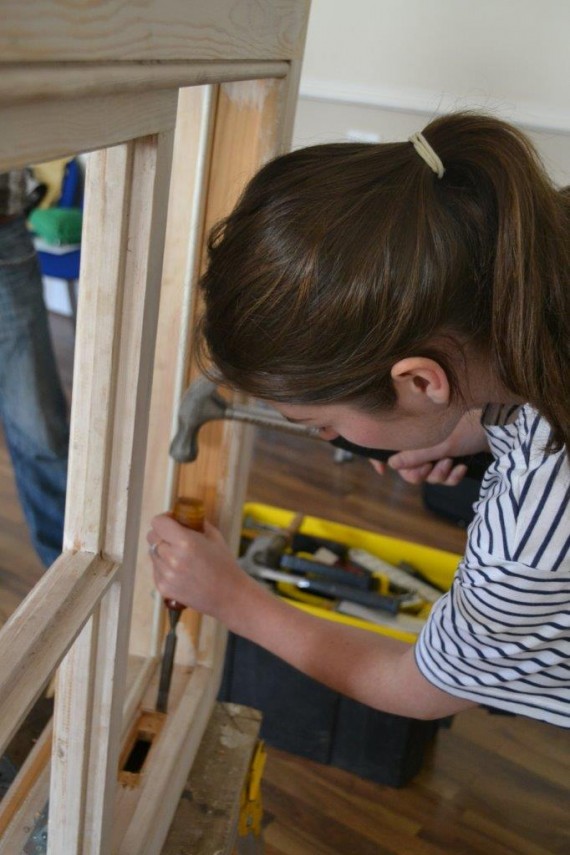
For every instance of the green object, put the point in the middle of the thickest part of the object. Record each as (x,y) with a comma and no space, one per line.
(57,225)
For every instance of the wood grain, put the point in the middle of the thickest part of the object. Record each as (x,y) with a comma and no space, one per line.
(56,30)
(126,117)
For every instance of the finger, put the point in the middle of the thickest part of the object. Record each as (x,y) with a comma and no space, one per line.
(152,536)
(440,472)
(456,475)
(164,526)
(417,475)
(413,458)
(378,466)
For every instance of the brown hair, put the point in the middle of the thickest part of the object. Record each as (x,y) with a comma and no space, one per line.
(341,259)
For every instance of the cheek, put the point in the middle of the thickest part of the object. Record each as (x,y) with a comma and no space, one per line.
(392,434)
(369,436)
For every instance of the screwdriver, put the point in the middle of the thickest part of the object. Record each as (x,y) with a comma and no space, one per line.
(190,513)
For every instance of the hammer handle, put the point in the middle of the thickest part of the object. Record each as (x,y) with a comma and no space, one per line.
(477,464)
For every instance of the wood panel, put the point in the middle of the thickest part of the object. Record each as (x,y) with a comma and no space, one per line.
(128,119)
(249,129)
(44,81)
(183,247)
(125,202)
(41,630)
(125,117)
(59,31)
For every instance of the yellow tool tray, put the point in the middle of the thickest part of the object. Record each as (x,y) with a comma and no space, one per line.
(437,565)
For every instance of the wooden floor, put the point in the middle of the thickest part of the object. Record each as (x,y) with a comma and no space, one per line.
(492,785)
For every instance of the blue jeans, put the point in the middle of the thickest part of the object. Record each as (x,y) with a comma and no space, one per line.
(32,404)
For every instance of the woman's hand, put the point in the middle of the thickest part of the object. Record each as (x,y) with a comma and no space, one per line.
(417,465)
(195,568)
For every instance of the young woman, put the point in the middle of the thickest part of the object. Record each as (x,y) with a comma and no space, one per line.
(409,295)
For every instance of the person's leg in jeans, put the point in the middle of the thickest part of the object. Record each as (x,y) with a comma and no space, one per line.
(32,403)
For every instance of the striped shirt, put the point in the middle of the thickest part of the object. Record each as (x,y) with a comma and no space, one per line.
(501,635)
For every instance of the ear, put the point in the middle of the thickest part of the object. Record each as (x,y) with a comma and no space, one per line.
(419,380)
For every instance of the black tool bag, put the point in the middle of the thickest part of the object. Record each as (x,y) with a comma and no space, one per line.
(453,503)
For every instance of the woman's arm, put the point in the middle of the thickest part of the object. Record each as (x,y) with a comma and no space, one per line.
(376,670)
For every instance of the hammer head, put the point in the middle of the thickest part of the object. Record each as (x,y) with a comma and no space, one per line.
(201,403)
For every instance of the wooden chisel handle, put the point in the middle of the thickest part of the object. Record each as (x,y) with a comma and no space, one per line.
(189,513)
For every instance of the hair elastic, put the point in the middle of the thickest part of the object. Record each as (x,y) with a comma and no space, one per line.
(427,153)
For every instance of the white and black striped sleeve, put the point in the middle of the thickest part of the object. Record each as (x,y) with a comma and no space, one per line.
(501,636)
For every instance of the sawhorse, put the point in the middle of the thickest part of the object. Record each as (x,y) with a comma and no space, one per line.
(220,810)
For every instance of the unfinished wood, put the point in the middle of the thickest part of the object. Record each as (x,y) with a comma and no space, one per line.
(246,135)
(125,117)
(252,124)
(128,795)
(30,790)
(105,222)
(85,759)
(55,30)
(146,730)
(41,630)
(32,83)
(183,245)
(179,742)
(73,714)
(107,208)
(207,816)
(134,113)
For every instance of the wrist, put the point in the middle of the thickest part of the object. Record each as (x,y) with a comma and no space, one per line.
(243,604)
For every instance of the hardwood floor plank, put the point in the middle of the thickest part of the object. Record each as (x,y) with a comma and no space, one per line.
(319,826)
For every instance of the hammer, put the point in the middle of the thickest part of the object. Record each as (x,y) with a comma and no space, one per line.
(201,403)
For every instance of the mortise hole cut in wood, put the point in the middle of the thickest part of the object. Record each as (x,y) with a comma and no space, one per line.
(138,747)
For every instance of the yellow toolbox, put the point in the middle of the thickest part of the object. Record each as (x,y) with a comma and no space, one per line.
(306,718)
(436,565)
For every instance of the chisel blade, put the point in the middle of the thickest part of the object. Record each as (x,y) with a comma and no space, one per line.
(167,663)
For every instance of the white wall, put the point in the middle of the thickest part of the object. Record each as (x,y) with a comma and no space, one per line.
(384,67)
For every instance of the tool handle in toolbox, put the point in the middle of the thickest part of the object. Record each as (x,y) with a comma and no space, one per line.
(326,571)
(477,464)
(345,592)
